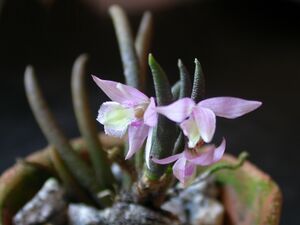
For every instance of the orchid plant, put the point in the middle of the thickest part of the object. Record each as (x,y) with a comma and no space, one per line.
(171,131)
(133,111)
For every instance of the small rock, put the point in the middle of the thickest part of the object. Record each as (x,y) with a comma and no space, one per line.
(211,212)
(197,204)
(81,214)
(132,214)
(47,205)
(119,214)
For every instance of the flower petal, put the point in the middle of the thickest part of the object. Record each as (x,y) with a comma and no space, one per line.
(136,137)
(190,129)
(167,160)
(150,115)
(177,111)
(115,118)
(148,147)
(230,107)
(211,155)
(206,122)
(183,170)
(121,93)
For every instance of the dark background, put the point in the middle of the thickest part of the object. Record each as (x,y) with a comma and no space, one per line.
(248,49)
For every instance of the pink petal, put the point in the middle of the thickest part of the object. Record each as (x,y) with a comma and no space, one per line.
(211,155)
(167,160)
(177,111)
(115,126)
(190,169)
(136,136)
(206,122)
(148,147)
(150,115)
(190,130)
(230,107)
(121,93)
(183,170)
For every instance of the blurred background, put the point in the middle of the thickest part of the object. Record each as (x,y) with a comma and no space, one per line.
(248,49)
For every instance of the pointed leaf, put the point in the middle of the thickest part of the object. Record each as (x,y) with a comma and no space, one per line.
(142,44)
(185,80)
(55,136)
(176,90)
(129,57)
(161,84)
(199,83)
(164,133)
(87,125)
(69,182)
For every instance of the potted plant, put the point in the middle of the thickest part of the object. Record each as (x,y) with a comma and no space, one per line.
(161,145)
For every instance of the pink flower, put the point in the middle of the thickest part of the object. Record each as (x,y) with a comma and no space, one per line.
(198,121)
(129,110)
(186,162)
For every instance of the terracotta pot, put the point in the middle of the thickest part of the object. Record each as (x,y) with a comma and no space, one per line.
(249,195)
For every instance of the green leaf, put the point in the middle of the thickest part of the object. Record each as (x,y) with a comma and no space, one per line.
(87,125)
(81,171)
(161,83)
(184,91)
(142,46)
(69,182)
(176,90)
(179,144)
(129,57)
(143,43)
(199,83)
(164,133)
(185,80)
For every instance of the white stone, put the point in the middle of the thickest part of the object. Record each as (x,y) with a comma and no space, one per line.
(47,205)
(81,214)
(197,205)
